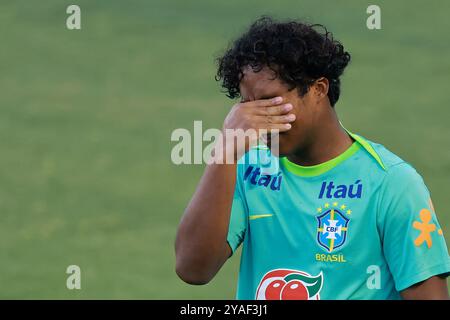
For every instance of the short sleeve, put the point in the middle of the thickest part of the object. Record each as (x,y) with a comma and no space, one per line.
(413,241)
(238,217)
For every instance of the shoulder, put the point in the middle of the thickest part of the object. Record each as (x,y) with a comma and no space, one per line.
(396,169)
(399,178)
(389,165)
(400,189)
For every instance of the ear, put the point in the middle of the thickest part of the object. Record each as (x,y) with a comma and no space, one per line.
(320,88)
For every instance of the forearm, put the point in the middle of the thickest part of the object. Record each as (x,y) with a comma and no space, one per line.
(200,246)
(434,288)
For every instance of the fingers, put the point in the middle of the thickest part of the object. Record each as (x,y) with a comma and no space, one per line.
(268,107)
(264,103)
(269,114)
(282,127)
(274,110)
(287,118)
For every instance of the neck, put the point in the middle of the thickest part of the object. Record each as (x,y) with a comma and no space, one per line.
(326,143)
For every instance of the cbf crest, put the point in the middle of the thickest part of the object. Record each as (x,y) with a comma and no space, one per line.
(332,227)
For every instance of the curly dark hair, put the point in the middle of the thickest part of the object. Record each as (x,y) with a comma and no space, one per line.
(295,51)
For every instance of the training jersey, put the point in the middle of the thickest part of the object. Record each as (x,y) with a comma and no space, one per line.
(359,226)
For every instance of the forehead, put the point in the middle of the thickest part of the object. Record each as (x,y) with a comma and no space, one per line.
(261,84)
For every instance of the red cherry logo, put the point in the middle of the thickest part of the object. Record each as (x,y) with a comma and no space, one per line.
(294,290)
(273,291)
(286,284)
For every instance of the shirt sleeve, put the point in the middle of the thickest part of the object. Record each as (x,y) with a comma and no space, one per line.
(238,218)
(413,241)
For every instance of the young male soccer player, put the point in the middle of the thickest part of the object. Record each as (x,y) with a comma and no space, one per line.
(341,217)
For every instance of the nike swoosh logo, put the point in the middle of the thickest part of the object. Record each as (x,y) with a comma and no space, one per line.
(259,216)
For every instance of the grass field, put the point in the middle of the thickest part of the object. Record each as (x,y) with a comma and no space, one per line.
(86,118)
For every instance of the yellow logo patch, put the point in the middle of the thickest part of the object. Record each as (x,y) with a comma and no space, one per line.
(426,228)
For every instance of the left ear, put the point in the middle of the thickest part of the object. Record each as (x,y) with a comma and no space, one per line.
(320,88)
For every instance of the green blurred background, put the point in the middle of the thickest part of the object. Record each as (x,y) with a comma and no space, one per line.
(86,118)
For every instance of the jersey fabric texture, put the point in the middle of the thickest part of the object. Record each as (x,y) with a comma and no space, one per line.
(360,226)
